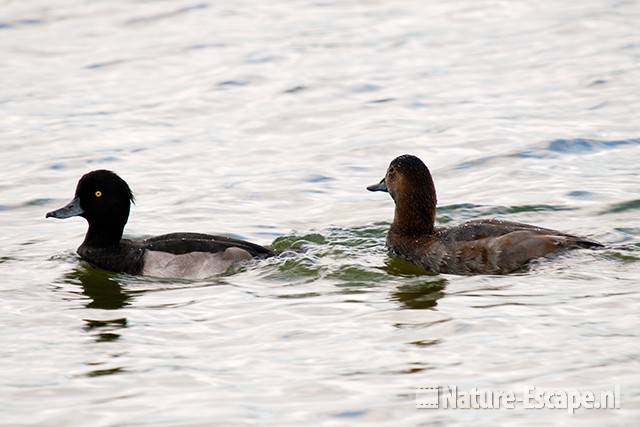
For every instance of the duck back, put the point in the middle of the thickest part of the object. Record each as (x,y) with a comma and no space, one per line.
(488,246)
(184,255)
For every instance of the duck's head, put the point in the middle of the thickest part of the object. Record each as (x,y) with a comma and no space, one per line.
(409,183)
(104,200)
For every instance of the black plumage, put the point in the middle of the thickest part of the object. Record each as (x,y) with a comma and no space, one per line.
(104,200)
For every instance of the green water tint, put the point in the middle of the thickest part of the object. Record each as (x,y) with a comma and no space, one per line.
(401,267)
(293,242)
(420,289)
(331,254)
(624,257)
(353,261)
(362,236)
(102,287)
(420,295)
(622,207)
(354,274)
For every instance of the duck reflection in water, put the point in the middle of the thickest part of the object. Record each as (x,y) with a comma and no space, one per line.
(105,293)
(102,288)
(422,293)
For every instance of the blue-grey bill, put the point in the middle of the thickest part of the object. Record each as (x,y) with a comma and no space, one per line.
(72,209)
(381,186)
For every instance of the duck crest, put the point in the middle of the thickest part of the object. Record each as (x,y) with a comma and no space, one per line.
(104,200)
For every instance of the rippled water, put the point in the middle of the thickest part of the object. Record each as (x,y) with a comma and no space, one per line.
(266,120)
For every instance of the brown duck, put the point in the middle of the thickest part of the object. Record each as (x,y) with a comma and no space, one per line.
(485,246)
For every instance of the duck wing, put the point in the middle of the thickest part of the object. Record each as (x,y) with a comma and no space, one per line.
(496,246)
(182,243)
(492,227)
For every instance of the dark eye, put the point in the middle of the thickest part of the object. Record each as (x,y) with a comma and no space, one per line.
(391,173)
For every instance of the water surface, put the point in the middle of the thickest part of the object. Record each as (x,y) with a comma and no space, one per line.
(266,120)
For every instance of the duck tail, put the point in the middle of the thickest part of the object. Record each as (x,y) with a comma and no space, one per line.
(589,244)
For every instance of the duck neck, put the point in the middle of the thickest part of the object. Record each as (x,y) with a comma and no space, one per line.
(414,216)
(103,235)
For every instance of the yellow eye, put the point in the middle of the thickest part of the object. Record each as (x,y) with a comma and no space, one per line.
(98,193)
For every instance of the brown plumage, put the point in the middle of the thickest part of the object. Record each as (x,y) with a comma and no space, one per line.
(486,246)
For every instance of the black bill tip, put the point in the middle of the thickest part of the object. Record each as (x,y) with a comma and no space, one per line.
(72,209)
(381,186)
